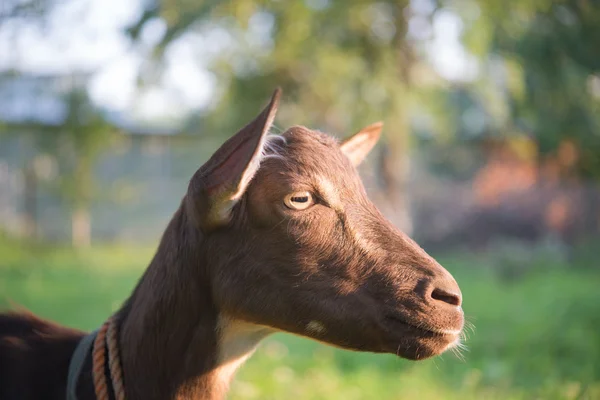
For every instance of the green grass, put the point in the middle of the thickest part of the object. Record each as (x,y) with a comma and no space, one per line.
(536,336)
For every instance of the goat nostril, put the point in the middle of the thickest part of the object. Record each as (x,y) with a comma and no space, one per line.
(446,296)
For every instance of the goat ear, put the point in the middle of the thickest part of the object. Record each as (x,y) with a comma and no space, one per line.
(357,146)
(221,182)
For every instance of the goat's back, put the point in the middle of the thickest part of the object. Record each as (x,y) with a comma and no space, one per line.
(34,357)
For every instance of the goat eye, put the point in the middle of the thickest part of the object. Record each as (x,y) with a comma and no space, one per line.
(299,200)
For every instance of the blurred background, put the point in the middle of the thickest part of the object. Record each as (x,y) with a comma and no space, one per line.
(490,159)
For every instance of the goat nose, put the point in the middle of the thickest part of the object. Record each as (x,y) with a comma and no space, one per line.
(446,296)
(447,293)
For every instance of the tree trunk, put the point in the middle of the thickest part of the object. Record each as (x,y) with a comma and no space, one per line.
(394,169)
(395,160)
(81,227)
(30,220)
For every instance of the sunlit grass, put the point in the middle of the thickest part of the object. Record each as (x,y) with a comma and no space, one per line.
(533,337)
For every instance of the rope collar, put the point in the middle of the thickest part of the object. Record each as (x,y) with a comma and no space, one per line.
(105,340)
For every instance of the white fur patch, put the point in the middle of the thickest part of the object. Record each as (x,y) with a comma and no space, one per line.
(273,147)
(330,192)
(237,341)
(315,327)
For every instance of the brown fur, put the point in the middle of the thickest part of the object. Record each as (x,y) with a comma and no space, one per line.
(235,264)
(34,357)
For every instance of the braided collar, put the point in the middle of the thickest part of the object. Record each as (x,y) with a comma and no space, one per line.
(105,353)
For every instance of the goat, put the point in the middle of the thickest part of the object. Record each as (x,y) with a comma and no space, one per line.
(275,233)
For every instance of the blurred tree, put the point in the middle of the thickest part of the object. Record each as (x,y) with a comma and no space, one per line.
(25,9)
(342,65)
(74,145)
(83,136)
(542,59)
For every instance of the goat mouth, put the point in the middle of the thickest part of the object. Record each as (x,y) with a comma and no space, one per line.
(419,341)
(425,329)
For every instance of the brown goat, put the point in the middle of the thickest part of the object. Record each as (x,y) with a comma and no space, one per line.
(275,233)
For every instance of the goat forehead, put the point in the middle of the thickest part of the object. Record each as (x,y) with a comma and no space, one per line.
(317,154)
(312,159)
(302,134)
(311,145)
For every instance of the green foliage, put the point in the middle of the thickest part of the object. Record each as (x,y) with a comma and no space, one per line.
(320,53)
(551,68)
(534,337)
(344,64)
